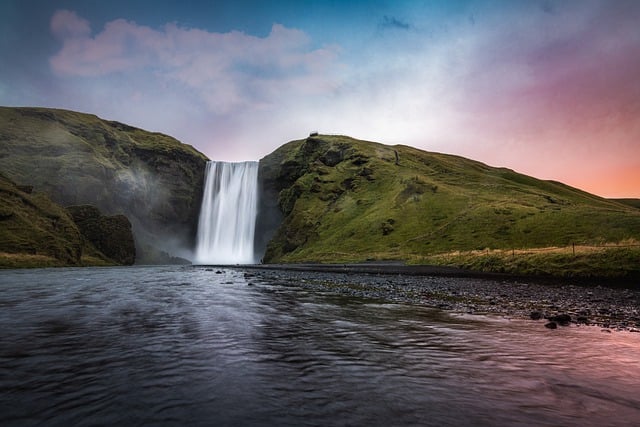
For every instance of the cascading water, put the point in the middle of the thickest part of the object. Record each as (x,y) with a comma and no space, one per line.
(227,222)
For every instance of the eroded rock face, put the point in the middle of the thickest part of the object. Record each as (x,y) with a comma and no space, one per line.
(111,235)
(77,159)
(36,232)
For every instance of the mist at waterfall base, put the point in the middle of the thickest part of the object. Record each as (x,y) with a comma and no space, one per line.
(226,228)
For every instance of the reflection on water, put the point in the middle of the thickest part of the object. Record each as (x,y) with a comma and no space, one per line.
(187,346)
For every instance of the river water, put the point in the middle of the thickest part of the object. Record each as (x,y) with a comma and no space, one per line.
(194,346)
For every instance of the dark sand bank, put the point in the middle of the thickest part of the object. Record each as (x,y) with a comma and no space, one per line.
(399,268)
(600,303)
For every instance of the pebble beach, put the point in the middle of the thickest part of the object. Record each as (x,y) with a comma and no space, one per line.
(553,304)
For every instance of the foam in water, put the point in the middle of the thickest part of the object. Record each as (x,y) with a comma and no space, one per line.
(227,222)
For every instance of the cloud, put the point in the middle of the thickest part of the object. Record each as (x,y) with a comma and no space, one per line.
(226,71)
(392,22)
(546,92)
(519,84)
(66,24)
(569,72)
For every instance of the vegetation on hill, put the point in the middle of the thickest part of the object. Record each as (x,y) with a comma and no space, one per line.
(630,202)
(346,200)
(79,159)
(323,199)
(36,232)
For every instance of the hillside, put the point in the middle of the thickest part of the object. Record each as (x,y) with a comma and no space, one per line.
(345,200)
(323,199)
(630,202)
(80,159)
(36,232)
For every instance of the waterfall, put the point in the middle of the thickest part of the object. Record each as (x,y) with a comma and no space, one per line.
(227,221)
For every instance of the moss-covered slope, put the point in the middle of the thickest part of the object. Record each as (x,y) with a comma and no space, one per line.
(348,200)
(36,232)
(77,159)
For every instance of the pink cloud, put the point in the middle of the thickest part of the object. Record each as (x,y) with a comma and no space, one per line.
(227,70)
(66,24)
(556,96)
(553,93)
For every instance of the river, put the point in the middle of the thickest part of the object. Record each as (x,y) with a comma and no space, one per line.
(163,346)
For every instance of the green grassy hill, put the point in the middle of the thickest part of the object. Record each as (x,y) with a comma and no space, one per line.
(346,200)
(80,159)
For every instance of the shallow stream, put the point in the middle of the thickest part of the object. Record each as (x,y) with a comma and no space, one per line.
(190,346)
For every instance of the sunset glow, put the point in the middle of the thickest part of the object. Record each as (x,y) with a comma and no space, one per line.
(547,88)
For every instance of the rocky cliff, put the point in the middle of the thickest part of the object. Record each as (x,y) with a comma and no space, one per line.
(80,159)
(111,235)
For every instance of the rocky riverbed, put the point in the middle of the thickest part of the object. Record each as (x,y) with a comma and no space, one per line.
(553,305)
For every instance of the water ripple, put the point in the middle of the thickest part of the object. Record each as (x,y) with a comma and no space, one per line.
(187,346)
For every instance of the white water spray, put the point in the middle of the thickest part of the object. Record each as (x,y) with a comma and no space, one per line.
(227,222)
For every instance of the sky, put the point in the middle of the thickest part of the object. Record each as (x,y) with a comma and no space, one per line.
(547,88)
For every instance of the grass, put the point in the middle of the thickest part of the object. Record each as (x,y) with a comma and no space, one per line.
(630,202)
(611,260)
(31,224)
(22,260)
(399,203)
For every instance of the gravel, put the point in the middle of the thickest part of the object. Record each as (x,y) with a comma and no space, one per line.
(551,304)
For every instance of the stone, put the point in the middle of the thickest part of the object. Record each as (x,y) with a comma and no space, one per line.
(562,319)
(551,325)
(583,320)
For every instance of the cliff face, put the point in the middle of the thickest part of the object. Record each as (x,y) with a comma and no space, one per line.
(111,235)
(342,200)
(36,232)
(80,159)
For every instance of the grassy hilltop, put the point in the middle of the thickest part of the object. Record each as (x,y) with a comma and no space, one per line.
(80,159)
(346,200)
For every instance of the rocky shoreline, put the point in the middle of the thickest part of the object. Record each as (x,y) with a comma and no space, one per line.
(551,303)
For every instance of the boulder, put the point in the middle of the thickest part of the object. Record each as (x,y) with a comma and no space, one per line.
(551,325)
(562,319)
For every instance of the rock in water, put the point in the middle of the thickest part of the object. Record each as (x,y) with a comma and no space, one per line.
(551,325)
(535,315)
(562,319)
